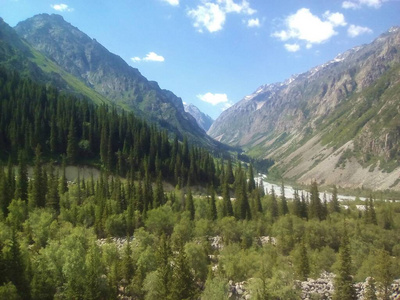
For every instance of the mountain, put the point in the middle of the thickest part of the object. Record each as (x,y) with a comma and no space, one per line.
(108,75)
(16,54)
(338,123)
(202,119)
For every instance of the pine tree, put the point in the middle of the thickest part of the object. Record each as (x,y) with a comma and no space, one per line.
(251,183)
(212,205)
(344,289)
(304,265)
(370,289)
(190,204)
(38,194)
(159,192)
(227,209)
(183,285)
(93,273)
(370,214)
(284,206)
(164,255)
(315,208)
(21,191)
(72,143)
(304,207)
(274,205)
(63,180)
(383,273)
(297,209)
(334,205)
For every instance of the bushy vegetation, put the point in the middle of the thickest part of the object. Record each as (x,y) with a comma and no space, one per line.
(58,238)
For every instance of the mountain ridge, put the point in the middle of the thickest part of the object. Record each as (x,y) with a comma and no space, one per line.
(305,123)
(109,75)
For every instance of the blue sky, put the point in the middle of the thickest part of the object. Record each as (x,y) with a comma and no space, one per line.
(212,53)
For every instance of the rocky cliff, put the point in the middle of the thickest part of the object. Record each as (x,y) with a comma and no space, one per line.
(337,123)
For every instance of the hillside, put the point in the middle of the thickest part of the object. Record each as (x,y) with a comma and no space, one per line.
(338,123)
(53,51)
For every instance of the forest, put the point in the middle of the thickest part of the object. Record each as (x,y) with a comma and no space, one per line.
(164,219)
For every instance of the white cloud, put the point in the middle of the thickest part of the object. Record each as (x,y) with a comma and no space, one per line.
(253,23)
(211,15)
(309,28)
(214,99)
(356,4)
(336,19)
(136,59)
(151,56)
(61,7)
(292,47)
(172,2)
(355,30)
(231,6)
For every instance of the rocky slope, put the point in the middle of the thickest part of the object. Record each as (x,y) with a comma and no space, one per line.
(337,123)
(202,119)
(108,74)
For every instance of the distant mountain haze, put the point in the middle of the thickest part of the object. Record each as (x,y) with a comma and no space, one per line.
(202,119)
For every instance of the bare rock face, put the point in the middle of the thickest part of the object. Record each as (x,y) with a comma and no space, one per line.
(306,123)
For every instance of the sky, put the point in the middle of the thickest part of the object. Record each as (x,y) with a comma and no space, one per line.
(212,53)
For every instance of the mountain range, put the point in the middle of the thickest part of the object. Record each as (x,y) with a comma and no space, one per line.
(337,123)
(50,50)
(202,119)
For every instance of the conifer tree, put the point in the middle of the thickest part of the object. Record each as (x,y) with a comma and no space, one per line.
(38,194)
(284,206)
(370,289)
(159,192)
(227,209)
(229,172)
(370,214)
(63,180)
(344,289)
(297,209)
(93,272)
(21,191)
(72,143)
(53,198)
(212,205)
(183,285)
(383,273)
(334,205)
(274,205)
(304,265)
(190,204)
(5,197)
(315,208)
(164,255)
(251,182)
(304,207)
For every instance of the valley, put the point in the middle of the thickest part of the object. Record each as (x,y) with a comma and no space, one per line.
(112,188)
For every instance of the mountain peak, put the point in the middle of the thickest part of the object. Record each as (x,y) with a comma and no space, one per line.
(202,119)
(109,75)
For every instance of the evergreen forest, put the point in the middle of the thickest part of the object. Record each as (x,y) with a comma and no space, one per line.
(163,219)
